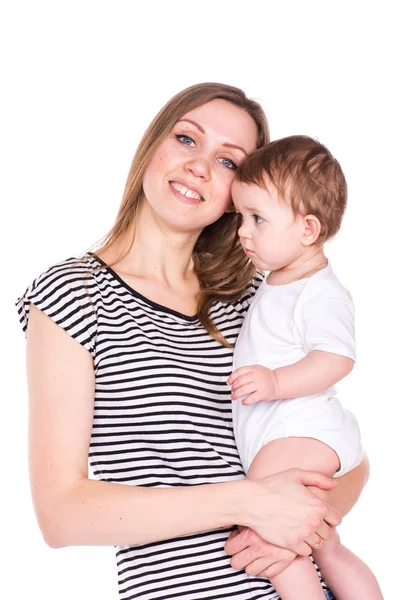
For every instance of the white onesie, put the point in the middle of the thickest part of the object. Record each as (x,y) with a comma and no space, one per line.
(283,324)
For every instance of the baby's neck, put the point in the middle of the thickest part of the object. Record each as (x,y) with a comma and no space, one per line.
(308,264)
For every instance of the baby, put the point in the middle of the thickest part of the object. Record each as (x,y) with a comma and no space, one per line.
(296,342)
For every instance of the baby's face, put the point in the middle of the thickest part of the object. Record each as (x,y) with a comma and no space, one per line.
(269,233)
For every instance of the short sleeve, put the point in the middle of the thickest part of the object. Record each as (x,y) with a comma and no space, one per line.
(326,322)
(248,295)
(65,293)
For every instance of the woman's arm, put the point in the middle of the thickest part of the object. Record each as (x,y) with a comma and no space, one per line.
(349,487)
(75,510)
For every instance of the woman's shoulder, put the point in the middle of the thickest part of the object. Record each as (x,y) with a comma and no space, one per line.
(240,305)
(65,293)
(252,288)
(74,271)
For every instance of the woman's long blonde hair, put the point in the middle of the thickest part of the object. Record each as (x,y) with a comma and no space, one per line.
(221,266)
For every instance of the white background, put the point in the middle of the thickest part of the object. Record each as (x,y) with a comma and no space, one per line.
(81,81)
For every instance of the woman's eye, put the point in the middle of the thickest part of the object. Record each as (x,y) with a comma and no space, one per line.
(227,162)
(185,139)
(258,219)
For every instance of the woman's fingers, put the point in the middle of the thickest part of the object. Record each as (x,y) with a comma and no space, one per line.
(332,517)
(246,557)
(325,532)
(313,478)
(275,569)
(300,547)
(240,540)
(259,567)
(315,541)
(236,542)
(289,515)
(254,554)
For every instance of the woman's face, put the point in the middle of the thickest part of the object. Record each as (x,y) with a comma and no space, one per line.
(187,184)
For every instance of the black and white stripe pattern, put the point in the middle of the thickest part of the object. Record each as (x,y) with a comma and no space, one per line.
(162,416)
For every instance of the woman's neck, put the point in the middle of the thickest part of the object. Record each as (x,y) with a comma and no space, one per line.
(157,253)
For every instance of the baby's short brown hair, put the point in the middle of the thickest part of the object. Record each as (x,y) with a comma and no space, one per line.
(305,174)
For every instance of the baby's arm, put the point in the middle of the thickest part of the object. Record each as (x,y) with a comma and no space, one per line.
(313,374)
(324,325)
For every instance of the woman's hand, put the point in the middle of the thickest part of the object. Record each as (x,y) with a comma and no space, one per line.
(286,514)
(249,551)
(258,557)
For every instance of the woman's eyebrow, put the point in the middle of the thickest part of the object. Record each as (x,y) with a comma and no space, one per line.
(193,123)
(235,146)
(200,128)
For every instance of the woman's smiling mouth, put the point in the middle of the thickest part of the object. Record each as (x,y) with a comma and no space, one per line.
(185,193)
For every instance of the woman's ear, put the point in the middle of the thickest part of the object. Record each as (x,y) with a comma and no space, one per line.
(311,231)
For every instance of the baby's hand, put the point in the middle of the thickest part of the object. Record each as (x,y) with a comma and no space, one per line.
(255,382)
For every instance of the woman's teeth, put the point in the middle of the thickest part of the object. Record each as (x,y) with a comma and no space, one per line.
(184,191)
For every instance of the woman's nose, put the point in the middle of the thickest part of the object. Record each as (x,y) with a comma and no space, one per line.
(199,166)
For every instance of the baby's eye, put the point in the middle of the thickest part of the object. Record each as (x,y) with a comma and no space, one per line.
(184,139)
(258,219)
(227,162)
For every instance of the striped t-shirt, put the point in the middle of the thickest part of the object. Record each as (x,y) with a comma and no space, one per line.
(162,416)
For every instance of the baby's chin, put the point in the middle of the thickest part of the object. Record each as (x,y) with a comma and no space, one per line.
(261,265)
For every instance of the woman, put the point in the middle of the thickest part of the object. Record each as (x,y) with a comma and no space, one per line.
(156,312)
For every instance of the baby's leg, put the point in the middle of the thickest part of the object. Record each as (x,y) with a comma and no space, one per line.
(347,576)
(300,579)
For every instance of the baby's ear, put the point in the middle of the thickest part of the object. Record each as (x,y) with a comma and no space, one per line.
(312,229)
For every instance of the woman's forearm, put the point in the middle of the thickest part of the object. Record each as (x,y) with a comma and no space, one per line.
(349,487)
(102,513)
(279,508)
